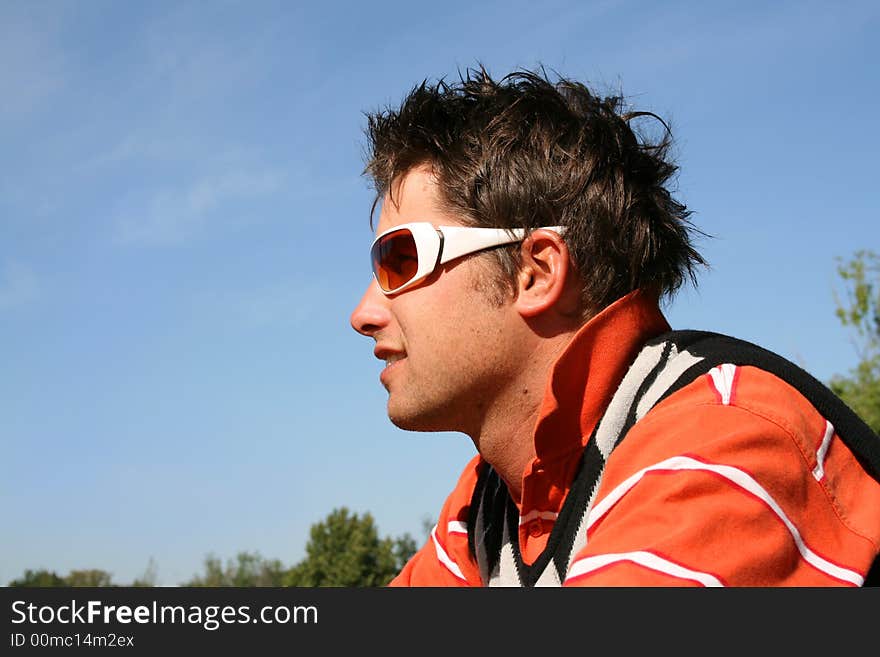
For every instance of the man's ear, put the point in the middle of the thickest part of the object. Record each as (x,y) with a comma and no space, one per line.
(543,273)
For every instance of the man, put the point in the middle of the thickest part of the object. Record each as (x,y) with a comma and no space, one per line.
(525,239)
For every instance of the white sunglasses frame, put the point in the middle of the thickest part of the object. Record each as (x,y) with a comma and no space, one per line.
(437,245)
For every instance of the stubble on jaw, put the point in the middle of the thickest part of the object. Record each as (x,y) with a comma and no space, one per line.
(457,398)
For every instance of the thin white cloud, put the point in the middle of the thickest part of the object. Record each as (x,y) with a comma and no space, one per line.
(174,216)
(144,148)
(285,303)
(33,64)
(18,285)
(189,60)
(164,146)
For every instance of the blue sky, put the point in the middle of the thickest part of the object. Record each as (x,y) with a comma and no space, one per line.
(184,232)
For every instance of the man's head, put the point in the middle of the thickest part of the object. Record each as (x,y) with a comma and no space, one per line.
(526,151)
(470,344)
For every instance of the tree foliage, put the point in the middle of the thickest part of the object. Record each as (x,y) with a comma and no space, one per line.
(48,578)
(41,578)
(860,311)
(149,576)
(246,569)
(345,550)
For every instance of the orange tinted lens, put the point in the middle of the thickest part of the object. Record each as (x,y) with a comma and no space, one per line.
(395,259)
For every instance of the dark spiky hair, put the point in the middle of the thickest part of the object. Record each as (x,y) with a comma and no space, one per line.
(527,151)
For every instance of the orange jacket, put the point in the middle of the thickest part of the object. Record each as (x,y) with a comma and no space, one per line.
(734,480)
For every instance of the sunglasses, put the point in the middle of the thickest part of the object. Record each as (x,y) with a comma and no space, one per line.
(408,253)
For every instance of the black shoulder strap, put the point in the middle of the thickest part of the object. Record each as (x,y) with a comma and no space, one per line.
(715,349)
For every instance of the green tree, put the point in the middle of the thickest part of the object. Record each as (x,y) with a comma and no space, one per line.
(42,578)
(860,311)
(149,576)
(91,577)
(246,569)
(345,550)
(46,578)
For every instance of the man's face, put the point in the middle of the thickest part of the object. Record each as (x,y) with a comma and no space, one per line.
(445,340)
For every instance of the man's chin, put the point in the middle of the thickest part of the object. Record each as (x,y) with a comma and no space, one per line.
(413,421)
(406,423)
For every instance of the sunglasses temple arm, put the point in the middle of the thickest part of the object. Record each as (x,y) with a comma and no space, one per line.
(459,241)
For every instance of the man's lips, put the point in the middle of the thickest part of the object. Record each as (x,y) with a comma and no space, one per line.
(388,354)
(391,358)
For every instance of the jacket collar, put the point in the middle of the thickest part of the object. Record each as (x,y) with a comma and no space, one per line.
(584,378)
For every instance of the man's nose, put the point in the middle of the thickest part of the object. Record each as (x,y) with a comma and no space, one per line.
(371,314)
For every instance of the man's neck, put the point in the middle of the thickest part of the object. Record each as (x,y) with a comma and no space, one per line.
(505,438)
